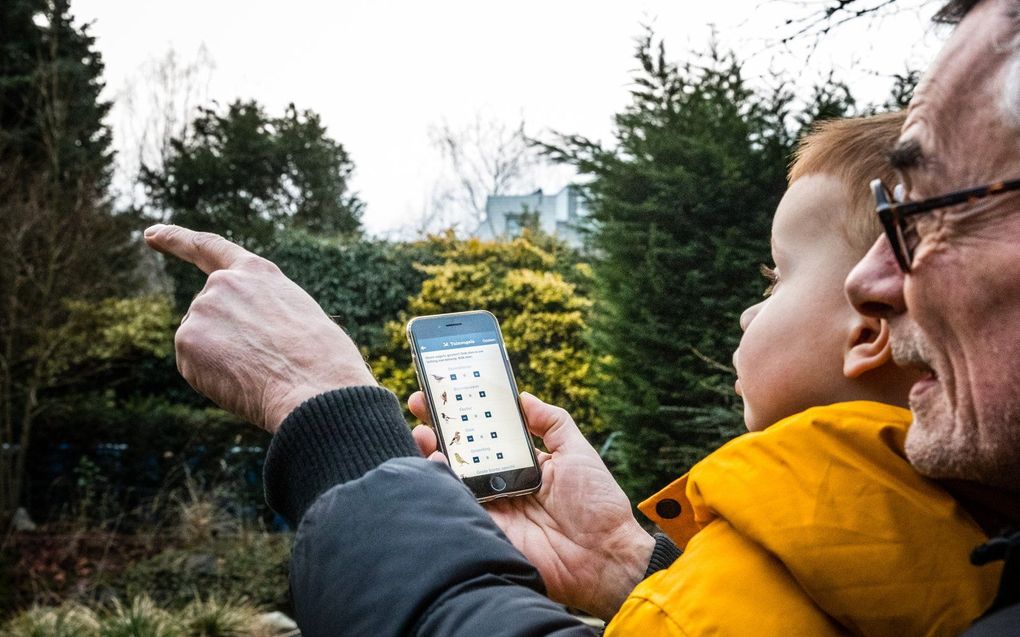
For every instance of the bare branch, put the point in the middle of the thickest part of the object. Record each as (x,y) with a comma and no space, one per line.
(487,157)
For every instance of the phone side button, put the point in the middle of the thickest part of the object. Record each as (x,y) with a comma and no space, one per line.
(497,483)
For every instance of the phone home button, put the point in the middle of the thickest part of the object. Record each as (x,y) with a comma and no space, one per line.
(497,483)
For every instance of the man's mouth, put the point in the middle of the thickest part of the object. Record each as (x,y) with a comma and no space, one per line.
(928,380)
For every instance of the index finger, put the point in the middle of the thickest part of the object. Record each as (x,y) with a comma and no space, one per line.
(208,251)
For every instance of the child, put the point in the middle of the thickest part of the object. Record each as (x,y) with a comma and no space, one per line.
(817,525)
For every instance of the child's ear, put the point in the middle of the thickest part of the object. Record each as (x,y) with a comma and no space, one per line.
(868,346)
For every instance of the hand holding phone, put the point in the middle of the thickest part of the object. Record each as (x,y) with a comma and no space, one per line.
(578,529)
(473,402)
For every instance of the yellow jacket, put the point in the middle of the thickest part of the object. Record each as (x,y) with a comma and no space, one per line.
(816,526)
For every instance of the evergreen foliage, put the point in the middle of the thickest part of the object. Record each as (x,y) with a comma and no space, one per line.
(681,208)
(361,283)
(246,175)
(51,117)
(59,240)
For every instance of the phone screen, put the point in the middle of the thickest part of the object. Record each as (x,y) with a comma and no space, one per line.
(474,403)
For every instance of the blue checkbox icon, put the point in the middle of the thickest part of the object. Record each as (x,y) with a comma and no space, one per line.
(488,414)
(499,456)
(477,374)
(453,377)
(481,394)
(464,417)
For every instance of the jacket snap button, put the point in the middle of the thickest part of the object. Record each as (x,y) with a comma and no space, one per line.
(667,508)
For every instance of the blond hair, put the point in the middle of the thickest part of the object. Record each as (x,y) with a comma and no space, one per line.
(855,151)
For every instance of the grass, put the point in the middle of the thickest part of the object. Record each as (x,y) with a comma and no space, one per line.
(141,617)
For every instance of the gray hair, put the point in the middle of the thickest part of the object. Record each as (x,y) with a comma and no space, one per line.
(1009,101)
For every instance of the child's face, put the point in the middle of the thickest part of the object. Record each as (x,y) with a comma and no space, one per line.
(791,354)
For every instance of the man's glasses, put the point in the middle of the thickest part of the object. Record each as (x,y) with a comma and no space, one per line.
(901,228)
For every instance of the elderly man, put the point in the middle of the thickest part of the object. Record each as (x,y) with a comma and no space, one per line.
(947,276)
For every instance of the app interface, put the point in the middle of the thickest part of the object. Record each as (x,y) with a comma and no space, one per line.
(474,403)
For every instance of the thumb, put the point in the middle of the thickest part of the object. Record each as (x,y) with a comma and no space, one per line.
(208,251)
(553,425)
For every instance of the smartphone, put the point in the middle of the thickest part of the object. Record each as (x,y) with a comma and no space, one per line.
(472,396)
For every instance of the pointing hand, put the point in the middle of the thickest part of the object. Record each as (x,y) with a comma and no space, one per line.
(253,341)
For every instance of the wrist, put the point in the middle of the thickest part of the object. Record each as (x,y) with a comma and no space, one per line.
(295,395)
(628,562)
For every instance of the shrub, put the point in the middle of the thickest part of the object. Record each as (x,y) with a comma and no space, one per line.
(361,283)
(142,618)
(252,566)
(68,620)
(142,449)
(214,618)
(539,291)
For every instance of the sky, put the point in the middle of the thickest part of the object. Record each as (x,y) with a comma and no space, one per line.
(383,73)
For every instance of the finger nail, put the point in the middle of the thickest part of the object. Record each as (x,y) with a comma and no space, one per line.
(153,229)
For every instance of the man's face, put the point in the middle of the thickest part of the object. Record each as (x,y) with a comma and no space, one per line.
(956,316)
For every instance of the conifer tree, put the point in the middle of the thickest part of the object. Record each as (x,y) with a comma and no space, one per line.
(681,207)
(59,239)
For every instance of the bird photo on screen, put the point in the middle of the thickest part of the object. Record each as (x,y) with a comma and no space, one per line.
(445,417)
(459,459)
(444,397)
(438,377)
(455,439)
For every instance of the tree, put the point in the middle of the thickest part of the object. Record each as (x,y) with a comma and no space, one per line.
(485,158)
(681,208)
(816,20)
(59,240)
(245,175)
(902,89)
(538,289)
(830,100)
(155,107)
(51,117)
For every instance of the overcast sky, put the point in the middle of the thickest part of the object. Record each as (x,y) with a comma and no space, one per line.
(381,73)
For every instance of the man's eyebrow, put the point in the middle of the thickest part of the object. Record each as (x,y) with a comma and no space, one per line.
(906,155)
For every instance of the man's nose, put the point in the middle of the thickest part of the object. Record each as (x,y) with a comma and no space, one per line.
(875,285)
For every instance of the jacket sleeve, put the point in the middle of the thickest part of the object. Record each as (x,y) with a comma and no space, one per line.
(396,545)
(1004,623)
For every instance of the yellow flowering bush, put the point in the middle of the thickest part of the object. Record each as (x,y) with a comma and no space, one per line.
(538,291)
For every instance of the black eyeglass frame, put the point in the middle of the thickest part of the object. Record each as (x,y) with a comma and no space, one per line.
(893,215)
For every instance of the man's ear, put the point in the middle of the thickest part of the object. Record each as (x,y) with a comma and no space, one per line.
(868,346)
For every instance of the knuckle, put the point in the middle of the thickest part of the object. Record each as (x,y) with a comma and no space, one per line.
(560,414)
(203,302)
(219,279)
(204,241)
(260,265)
(185,341)
(170,234)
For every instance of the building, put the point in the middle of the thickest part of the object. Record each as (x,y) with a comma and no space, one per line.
(560,215)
